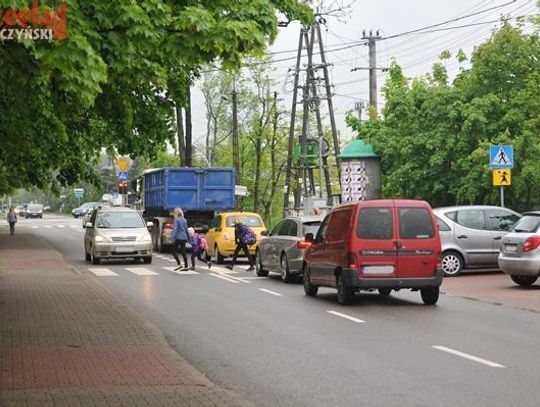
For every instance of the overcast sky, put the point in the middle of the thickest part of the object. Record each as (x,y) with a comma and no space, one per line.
(416,53)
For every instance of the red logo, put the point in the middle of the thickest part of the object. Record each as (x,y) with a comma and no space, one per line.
(37,23)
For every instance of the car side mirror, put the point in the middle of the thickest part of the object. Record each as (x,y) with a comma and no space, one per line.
(88,225)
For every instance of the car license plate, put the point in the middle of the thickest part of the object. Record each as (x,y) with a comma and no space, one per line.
(378,269)
(124,249)
(510,248)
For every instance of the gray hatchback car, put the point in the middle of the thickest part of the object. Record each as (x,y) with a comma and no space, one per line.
(282,251)
(471,235)
(520,250)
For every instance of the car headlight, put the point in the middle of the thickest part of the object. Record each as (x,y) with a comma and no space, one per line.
(100,238)
(145,238)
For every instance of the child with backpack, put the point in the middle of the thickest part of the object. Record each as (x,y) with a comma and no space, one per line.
(198,248)
(243,237)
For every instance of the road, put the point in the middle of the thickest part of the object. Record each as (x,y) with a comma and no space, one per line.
(277,347)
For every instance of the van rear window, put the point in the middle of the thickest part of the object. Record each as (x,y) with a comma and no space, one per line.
(415,223)
(375,224)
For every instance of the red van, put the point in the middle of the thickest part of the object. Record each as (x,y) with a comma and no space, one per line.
(384,244)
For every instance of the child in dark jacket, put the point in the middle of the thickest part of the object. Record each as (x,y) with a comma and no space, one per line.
(198,248)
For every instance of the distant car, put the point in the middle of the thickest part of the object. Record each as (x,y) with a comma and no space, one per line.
(520,250)
(471,235)
(84,209)
(117,233)
(282,251)
(19,210)
(34,211)
(88,215)
(220,235)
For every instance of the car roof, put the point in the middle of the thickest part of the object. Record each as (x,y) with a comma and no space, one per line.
(239,214)
(306,218)
(531,213)
(385,202)
(117,209)
(460,207)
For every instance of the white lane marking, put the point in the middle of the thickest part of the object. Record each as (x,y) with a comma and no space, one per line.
(253,278)
(223,270)
(61,226)
(48,226)
(339,314)
(467,356)
(270,292)
(103,272)
(226,278)
(142,271)
(34,227)
(182,272)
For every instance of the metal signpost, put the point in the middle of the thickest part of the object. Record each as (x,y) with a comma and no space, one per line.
(501,161)
(79,193)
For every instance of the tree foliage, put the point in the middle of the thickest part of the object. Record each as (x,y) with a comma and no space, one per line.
(434,137)
(112,82)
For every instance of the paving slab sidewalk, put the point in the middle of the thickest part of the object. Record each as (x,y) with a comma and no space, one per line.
(66,341)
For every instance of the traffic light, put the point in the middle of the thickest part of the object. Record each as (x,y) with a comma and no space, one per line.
(122,187)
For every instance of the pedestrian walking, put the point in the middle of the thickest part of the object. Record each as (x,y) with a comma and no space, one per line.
(241,235)
(180,237)
(12,219)
(198,248)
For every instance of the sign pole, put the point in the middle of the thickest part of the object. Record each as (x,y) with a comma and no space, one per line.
(502,196)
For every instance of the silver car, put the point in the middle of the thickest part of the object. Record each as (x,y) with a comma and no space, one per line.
(520,250)
(471,235)
(282,250)
(117,233)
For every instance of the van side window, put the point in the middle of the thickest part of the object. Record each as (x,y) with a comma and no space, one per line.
(375,223)
(321,233)
(339,226)
(415,223)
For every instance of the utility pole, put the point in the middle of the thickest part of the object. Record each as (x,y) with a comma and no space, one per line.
(235,145)
(188,161)
(372,41)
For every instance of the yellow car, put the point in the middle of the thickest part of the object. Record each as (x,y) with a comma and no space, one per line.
(220,235)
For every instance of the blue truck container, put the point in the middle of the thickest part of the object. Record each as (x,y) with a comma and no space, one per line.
(198,189)
(199,192)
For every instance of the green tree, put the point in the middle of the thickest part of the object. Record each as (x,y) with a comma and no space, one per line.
(113,82)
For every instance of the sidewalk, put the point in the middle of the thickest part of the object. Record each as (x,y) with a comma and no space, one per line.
(65,341)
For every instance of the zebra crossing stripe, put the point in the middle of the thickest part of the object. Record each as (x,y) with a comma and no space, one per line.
(103,272)
(182,273)
(142,271)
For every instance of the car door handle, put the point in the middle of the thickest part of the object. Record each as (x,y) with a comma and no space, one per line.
(463,237)
(497,238)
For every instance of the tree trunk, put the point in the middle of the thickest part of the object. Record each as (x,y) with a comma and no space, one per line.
(180,134)
(189,130)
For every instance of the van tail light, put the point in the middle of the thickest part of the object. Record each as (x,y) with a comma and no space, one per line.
(351,261)
(302,244)
(531,243)
(439,261)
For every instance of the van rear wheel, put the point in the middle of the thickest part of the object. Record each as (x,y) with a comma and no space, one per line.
(430,295)
(385,291)
(345,293)
(524,281)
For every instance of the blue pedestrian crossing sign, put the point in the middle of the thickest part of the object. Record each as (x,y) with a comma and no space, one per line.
(122,175)
(501,157)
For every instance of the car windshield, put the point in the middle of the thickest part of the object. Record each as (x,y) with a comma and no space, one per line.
(311,227)
(119,220)
(35,207)
(248,220)
(527,224)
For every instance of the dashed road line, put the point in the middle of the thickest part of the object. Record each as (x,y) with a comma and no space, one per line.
(468,356)
(103,272)
(270,292)
(339,314)
(142,271)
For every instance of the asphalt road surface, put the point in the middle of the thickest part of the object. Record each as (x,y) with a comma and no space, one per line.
(266,340)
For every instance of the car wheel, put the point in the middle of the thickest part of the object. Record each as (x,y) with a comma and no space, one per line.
(309,289)
(285,272)
(345,293)
(147,259)
(385,291)
(452,263)
(218,258)
(259,268)
(95,260)
(524,281)
(430,295)
(87,256)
